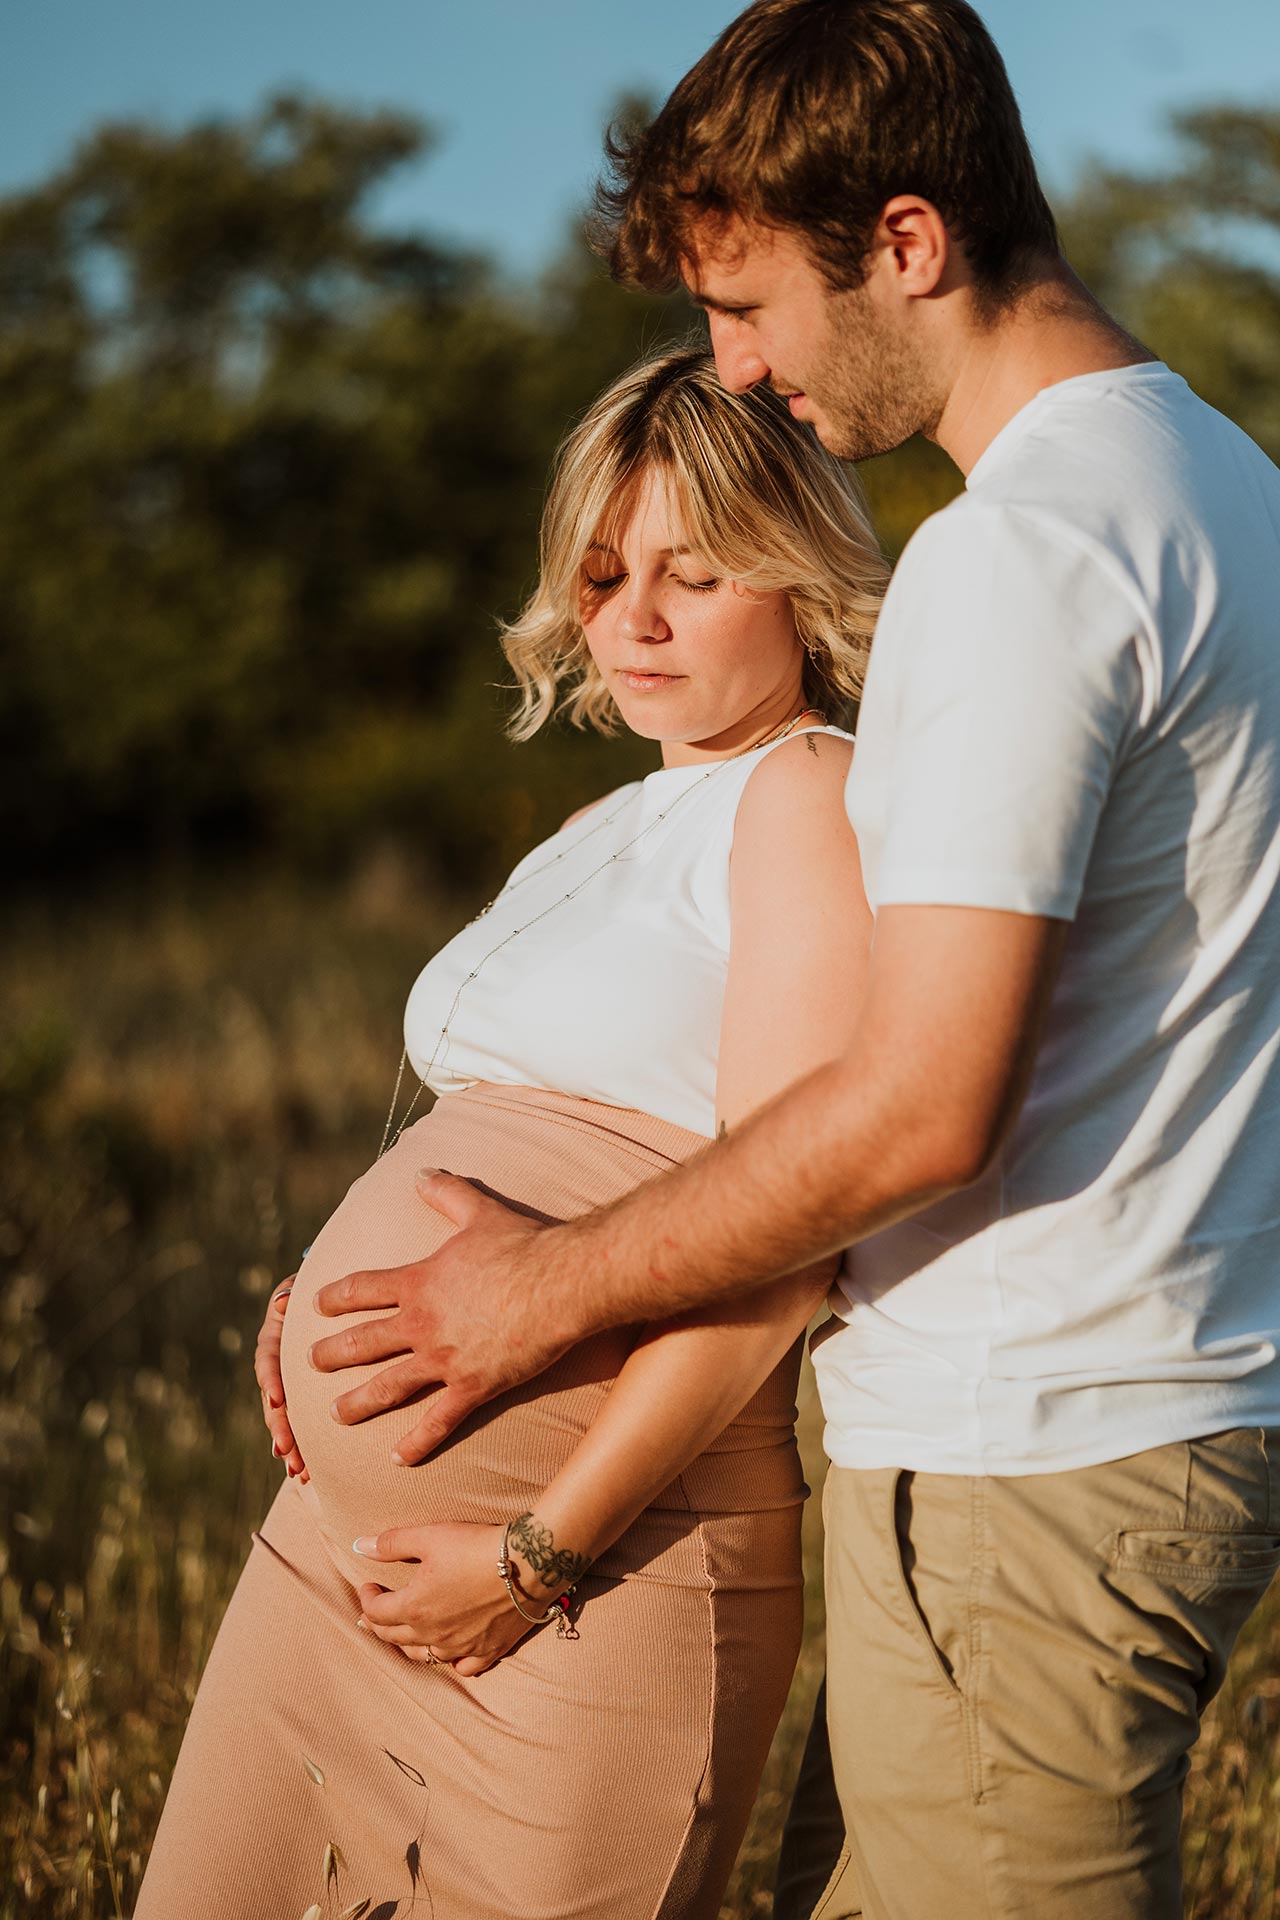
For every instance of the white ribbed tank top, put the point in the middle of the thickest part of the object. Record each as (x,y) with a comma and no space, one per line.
(616,994)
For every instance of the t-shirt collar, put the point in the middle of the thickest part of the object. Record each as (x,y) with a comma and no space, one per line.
(1026,416)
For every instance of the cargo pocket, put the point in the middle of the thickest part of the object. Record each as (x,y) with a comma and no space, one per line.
(1201,1557)
(1228,1534)
(1197,1581)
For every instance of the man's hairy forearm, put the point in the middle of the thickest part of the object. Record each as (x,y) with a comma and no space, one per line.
(810,1173)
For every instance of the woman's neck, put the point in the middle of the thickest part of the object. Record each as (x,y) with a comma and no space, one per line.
(743,737)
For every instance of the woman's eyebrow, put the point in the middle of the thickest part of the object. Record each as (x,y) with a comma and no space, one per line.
(664,553)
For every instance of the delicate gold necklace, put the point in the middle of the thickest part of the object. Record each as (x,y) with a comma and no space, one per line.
(779,733)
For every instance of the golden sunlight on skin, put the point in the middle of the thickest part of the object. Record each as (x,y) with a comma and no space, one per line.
(910,350)
(866,366)
(767,305)
(701,664)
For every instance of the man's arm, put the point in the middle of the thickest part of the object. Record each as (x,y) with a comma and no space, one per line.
(912,1110)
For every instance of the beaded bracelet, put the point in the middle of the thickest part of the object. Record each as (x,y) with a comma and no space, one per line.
(559,1608)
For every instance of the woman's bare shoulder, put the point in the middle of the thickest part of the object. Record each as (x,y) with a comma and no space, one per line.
(792,834)
(808,770)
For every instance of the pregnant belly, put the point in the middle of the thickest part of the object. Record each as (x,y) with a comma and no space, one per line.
(546,1153)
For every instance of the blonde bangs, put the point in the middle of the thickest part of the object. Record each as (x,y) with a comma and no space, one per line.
(752,490)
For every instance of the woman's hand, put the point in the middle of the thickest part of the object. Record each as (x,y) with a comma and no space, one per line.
(266,1367)
(454,1606)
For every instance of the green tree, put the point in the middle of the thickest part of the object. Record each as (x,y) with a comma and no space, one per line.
(253,453)
(272,475)
(271,478)
(1190,259)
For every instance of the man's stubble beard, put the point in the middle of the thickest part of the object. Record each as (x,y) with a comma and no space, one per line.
(869,381)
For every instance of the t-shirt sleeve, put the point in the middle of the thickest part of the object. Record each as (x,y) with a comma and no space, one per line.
(1009,686)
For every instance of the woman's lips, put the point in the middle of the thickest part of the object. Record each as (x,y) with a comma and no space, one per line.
(647,682)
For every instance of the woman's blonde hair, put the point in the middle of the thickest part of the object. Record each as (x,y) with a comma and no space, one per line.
(756,495)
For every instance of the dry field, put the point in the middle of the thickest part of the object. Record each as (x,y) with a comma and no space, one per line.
(186,1087)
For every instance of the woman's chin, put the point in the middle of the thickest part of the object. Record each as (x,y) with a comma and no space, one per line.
(649,718)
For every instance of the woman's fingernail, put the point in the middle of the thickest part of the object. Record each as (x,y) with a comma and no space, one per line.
(366,1544)
(292,1471)
(275,1405)
(362,1622)
(276,1450)
(397,1459)
(333,1410)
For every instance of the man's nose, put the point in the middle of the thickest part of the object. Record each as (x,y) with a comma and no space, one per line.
(739,362)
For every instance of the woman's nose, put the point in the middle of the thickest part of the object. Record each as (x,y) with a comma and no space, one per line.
(639,615)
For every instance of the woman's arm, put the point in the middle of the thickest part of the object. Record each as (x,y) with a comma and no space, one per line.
(799,947)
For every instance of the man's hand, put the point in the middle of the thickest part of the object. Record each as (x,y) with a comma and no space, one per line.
(470,1318)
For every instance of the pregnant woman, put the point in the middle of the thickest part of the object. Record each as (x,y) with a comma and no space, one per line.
(384,1728)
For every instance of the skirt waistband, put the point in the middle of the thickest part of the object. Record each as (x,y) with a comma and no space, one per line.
(663,1137)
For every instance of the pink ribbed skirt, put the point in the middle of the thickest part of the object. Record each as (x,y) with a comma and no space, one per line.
(609,1777)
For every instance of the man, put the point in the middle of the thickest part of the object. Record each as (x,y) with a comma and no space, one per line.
(1052,1386)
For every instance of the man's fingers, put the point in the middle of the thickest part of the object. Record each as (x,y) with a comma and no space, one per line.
(358,1291)
(361,1345)
(455,1198)
(447,1412)
(390,1388)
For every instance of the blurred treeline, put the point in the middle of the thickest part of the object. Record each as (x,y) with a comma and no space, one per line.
(269,474)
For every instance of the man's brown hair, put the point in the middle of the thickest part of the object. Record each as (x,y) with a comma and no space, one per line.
(811,114)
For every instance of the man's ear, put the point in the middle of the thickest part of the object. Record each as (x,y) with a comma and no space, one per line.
(914,248)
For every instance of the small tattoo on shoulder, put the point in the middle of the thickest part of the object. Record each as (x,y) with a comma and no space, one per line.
(811,743)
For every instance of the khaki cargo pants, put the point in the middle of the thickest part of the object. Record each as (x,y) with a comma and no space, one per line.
(1016,1670)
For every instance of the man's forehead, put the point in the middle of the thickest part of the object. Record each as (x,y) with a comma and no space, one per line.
(734,259)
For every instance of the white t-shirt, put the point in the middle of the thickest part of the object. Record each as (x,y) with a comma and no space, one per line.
(1073,709)
(600,968)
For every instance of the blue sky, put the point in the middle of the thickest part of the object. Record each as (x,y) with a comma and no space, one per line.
(518,91)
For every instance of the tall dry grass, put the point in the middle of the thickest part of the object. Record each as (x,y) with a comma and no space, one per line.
(186,1087)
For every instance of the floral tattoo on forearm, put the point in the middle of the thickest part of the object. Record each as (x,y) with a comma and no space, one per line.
(555,1566)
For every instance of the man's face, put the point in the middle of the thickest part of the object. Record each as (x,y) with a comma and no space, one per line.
(844,361)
